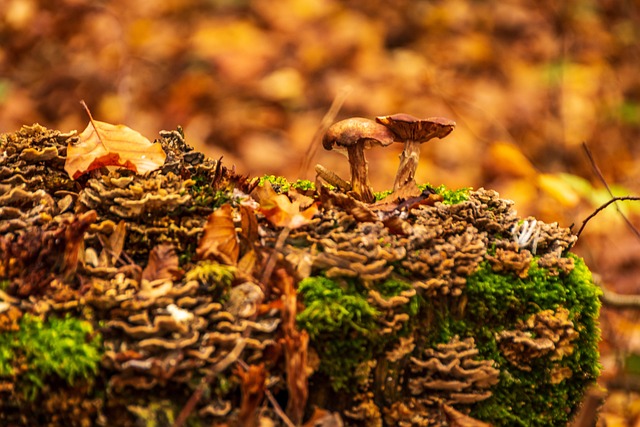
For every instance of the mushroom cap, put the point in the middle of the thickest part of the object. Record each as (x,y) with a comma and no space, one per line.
(407,127)
(349,132)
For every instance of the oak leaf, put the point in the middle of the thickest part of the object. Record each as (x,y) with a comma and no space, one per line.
(103,144)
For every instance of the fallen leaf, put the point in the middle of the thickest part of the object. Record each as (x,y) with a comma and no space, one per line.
(281,211)
(103,144)
(112,248)
(248,262)
(323,418)
(295,350)
(360,211)
(220,240)
(252,385)
(458,419)
(163,264)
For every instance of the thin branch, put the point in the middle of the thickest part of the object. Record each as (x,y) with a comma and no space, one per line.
(598,172)
(223,364)
(592,402)
(272,399)
(624,382)
(278,409)
(328,118)
(273,257)
(616,300)
(597,211)
(93,123)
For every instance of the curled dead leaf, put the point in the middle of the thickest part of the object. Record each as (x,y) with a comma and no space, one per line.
(281,211)
(163,264)
(220,240)
(103,144)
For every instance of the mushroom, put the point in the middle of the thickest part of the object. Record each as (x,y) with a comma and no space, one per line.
(355,135)
(412,132)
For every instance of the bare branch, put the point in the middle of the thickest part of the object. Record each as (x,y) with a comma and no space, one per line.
(598,172)
(597,211)
(615,300)
(592,402)
(328,118)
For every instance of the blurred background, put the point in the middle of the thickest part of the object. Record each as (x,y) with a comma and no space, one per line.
(528,82)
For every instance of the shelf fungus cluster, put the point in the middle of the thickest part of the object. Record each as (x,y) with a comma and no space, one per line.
(190,295)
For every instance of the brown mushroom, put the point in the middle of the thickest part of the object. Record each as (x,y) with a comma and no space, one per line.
(355,135)
(412,132)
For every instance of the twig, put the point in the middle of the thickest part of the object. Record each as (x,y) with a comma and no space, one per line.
(597,211)
(272,399)
(598,172)
(278,409)
(616,300)
(588,414)
(271,262)
(326,121)
(93,123)
(231,357)
(624,382)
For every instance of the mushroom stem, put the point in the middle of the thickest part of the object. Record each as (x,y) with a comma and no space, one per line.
(409,160)
(360,173)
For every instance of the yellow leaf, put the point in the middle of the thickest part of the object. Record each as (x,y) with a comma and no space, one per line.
(507,159)
(103,144)
(558,189)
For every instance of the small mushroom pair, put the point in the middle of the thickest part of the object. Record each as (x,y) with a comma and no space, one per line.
(358,134)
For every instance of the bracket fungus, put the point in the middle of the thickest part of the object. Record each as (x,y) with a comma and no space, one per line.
(413,132)
(355,135)
(411,310)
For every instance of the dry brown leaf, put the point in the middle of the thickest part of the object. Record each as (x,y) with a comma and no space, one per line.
(103,144)
(220,240)
(248,224)
(248,262)
(163,264)
(295,349)
(323,418)
(458,419)
(281,211)
(252,384)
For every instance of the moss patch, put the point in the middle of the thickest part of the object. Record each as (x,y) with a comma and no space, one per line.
(495,303)
(66,348)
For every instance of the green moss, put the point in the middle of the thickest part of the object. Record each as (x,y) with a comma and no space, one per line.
(392,287)
(496,302)
(216,278)
(204,195)
(450,197)
(341,324)
(4,285)
(64,348)
(344,327)
(303,185)
(281,185)
(382,194)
